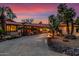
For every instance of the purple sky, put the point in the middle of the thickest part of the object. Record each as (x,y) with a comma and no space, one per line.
(37,11)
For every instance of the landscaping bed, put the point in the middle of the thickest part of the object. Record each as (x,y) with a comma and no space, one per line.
(62,48)
(9,37)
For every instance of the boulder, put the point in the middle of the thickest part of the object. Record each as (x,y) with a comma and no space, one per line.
(70,37)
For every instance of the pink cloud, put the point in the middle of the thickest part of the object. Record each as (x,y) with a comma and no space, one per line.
(35,8)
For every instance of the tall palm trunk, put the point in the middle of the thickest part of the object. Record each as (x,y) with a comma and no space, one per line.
(53,33)
(67,28)
(2,17)
(72,27)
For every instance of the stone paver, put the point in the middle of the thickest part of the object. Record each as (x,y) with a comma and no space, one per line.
(27,46)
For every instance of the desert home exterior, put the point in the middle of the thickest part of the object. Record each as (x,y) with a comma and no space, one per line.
(63,27)
(15,28)
(12,27)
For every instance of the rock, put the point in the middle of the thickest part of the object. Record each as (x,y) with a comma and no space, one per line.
(61,48)
(76,52)
(66,40)
(70,37)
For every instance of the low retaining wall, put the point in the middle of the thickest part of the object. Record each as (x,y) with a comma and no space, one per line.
(58,47)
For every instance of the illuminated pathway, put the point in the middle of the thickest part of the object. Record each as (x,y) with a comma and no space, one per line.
(27,46)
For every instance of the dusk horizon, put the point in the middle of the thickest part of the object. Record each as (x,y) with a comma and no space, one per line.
(37,11)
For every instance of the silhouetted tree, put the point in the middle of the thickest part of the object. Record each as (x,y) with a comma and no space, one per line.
(29,21)
(40,22)
(67,15)
(6,13)
(52,23)
(77,23)
(9,13)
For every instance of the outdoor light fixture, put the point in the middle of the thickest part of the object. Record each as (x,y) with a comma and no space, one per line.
(49,35)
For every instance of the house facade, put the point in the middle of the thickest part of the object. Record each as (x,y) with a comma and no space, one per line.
(63,27)
(11,28)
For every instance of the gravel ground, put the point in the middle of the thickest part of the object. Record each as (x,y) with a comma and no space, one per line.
(27,46)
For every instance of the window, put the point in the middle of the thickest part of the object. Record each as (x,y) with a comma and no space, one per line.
(8,28)
(77,29)
(11,27)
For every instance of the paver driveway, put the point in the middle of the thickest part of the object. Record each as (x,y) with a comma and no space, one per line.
(27,46)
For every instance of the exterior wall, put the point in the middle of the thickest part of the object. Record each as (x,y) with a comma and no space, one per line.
(11,30)
(63,28)
(76,33)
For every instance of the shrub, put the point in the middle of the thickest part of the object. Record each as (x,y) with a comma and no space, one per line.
(1,31)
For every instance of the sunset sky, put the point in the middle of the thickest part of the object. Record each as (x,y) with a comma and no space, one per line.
(39,12)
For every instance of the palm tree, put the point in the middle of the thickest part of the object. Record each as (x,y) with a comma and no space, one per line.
(2,17)
(77,23)
(67,14)
(9,13)
(51,23)
(62,11)
(5,13)
(72,14)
